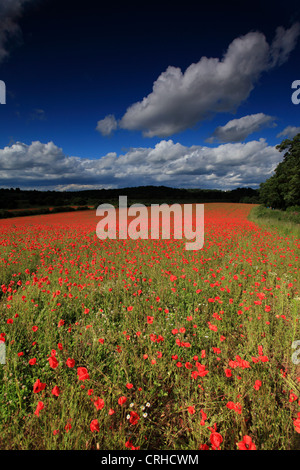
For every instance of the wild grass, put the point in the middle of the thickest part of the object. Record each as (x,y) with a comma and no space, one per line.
(287,222)
(199,343)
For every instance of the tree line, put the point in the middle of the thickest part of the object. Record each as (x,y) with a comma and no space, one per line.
(282,189)
(14,201)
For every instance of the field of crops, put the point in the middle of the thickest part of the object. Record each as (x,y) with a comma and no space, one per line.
(142,344)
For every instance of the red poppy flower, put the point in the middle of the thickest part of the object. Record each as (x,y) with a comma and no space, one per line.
(122,400)
(99,403)
(82,373)
(129,445)
(94,426)
(292,397)
(134,417)
(39,407)
(70,362)
(53,362)
(297,423)
(257,384)
(204,417)
(55,391)
(216,440)
(38,386)
(191,410)
(68,426)
(234,406)
(203,447)
(246,444)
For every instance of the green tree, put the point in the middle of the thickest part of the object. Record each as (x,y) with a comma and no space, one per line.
(269,193)
(282,190)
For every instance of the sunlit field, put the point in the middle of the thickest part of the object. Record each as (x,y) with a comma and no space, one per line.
(142,344)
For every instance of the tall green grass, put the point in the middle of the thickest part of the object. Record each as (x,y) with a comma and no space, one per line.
(287,222)
(107,279)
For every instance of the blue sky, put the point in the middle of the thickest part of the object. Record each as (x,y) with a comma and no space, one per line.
(192,95)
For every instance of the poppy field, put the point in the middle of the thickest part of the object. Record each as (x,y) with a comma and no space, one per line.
(142,344)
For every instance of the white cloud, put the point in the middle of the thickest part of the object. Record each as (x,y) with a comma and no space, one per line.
(225,166)
(107,125)
(180,100)
(289,131)
(237,130)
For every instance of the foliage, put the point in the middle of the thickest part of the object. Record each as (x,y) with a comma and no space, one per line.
(15,202)
(282,190)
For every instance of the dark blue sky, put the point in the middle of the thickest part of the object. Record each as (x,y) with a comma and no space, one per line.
(161,83)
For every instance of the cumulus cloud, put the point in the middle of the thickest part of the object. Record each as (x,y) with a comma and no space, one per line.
(226,166)
(107,125)
(237,130)
(179,100)
(289,132)
(10,13)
